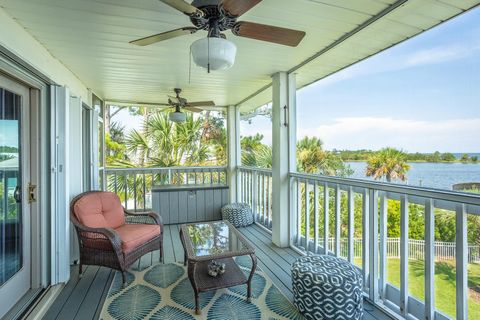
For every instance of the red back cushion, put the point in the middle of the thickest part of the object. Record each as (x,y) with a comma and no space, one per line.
(100,210)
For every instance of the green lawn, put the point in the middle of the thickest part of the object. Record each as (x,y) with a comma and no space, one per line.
(444,284)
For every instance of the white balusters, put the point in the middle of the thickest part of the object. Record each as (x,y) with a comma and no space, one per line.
(404,255)
(316,216)
(383,245)
(338,222)
(373,245)
(429,260)
(307,216)
(298,215)
(326,210)
(461,262)
(351,224)
(365,235)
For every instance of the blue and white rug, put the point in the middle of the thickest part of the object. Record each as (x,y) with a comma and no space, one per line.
(163,291)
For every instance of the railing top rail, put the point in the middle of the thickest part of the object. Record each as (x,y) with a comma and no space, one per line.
(261,170)
(149,169)
(453,196)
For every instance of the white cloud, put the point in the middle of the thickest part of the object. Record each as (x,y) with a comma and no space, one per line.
(454,135)
(441,54)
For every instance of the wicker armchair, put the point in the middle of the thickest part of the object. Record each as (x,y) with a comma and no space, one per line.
(111,236)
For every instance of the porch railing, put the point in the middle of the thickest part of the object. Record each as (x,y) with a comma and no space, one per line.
(256,190)
(342,209)
(444,251)
(134,185)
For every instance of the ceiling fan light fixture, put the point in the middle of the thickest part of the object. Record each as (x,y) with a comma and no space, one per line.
(177,116)
(214,53)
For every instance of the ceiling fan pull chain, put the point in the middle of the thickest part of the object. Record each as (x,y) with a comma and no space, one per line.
(190,67)
(208,54)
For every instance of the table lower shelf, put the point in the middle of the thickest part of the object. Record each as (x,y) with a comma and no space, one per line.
(233,276)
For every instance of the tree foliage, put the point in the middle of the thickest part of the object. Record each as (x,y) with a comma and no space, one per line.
(162,143)
(388,163)
(311,157)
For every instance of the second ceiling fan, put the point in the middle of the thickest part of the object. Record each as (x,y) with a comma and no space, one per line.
(179,103)
(216,16)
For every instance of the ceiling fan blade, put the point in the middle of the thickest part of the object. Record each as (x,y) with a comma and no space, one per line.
(201,104)
(193,109)
(236,8)
(164,36)
(184,7)
(268,33)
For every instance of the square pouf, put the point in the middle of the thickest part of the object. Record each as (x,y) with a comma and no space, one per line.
(327,287)
(238,214)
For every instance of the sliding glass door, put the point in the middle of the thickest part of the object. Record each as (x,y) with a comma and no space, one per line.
(14,211)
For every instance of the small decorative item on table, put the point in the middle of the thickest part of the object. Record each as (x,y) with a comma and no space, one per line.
(216,268)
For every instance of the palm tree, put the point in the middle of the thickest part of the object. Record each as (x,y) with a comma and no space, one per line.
(162,143)
(260,157)
(309,154)
(251,143)
(389,163)
(255,153)
(214,135)
(311,158)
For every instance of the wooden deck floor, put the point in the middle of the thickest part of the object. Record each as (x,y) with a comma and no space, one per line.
(82,299)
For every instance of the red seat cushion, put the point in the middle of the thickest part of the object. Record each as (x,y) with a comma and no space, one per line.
(135,235)
(100,210)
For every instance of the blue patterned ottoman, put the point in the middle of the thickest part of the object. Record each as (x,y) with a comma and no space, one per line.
(238,214)
(327,287)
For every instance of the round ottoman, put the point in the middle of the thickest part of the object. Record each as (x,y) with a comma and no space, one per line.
(238,214)
(327,287)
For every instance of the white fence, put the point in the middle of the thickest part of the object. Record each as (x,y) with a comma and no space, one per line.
(444,251)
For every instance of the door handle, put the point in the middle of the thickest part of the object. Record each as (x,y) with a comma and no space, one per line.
(32,197)
(17,194)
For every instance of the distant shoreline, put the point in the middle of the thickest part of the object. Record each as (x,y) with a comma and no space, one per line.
(423,161)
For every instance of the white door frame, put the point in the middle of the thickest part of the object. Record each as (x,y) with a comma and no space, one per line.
(20,283)
(15,68)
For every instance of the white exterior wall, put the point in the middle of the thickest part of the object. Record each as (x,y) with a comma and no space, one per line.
(16,39)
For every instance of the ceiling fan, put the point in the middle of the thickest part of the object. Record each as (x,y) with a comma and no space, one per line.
(216,16)
(179,103)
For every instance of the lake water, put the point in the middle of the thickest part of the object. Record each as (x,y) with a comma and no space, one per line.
(433,175)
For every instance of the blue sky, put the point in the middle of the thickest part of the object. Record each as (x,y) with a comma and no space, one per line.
(422,95)
(9,133)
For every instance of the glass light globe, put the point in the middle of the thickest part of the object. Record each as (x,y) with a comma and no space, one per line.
(221,55)
(177,116)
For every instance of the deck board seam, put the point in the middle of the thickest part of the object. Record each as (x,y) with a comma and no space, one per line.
(268,241)
(275,249)
(265,248)
(84,275)
(104,295)
(86,295)
(71,289)
(287,284)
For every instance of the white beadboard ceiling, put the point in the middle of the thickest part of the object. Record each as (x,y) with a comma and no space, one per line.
(91,37)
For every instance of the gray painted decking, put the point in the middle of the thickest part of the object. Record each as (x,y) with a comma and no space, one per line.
(82,299)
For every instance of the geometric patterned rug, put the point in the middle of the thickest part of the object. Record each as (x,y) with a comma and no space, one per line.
(163,291)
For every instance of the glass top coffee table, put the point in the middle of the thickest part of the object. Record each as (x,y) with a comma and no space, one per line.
(219,241)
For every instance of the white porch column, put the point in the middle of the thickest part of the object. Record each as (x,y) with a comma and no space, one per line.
(234,153)
(281,109)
